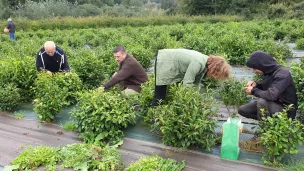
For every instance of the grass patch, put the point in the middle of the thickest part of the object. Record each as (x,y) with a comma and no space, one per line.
(19,115)
(296,165)
(69,126)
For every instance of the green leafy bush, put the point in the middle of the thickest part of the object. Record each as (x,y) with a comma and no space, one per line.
(76,156)
(72,82)
(69,126)
(143,56)
(278,10)
(232,94)
(300,43)
(146,96)
(81,156)
(183,121)
(88,67)
(280,135)
(53,92)
(298,78)
(102,115)
(21,72)
(155,162)
(64,23)
(9,97)
(32,158)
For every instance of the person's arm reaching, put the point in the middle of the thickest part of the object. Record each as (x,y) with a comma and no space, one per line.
(279,84)
(125,72)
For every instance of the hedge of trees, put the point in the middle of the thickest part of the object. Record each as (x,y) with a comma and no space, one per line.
(35,9)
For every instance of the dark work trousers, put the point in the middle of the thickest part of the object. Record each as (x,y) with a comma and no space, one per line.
(159,94)
(253,109)
(160,90)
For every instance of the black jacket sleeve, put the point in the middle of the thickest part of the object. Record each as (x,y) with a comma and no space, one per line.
(39,64)
(279,84)
(65,66)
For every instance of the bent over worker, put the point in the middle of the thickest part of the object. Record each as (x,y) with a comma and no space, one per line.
(186,66)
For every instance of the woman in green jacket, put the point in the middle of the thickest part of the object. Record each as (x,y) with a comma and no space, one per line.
(186,66)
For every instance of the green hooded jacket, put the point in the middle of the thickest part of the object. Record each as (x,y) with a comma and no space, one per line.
(175,65)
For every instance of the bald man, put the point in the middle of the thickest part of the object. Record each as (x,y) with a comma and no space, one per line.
(52,59)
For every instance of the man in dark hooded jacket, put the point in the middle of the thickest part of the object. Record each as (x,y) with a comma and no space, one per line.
(275,91)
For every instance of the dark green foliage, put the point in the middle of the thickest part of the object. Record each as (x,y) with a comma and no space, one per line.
(277,10)
(155,162)
(280,135)
(298,78)
(63,23)
(143,56)
(88,67)
(32,158)
(100,116)
(76,156)
(183,121)
(9,97)
(81,156)
(233,95)
(53,92)
(20,72)
(300,43)
(146,96)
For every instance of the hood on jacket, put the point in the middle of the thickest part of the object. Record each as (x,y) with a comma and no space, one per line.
(262,61)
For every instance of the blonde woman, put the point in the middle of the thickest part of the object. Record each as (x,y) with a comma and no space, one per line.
(186,66)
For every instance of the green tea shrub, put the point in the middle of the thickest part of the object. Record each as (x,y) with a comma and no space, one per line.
(73,84)
(143,56)
(280,135)
(20,72)
(297,72)
(53,92)
(278,10)
(279,50)
(155,162)
(300,44)
(102,115)
(77,156)
(182,121)
(146,96)
(80,156)
(9,97)
(32,158)
(232,94)
(88,67)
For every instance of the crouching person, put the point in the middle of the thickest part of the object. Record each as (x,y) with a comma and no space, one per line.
(275,91)
(131,75)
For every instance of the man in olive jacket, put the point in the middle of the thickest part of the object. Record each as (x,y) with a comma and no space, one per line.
(276,90)
(130,75)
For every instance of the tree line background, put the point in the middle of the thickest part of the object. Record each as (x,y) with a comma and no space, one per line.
(37,9)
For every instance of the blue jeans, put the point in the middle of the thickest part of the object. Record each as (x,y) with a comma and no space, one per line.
(12,36)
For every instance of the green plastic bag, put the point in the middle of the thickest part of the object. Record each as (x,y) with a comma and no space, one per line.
(230,139)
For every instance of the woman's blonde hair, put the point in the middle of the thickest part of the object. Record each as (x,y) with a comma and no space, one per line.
(218,68)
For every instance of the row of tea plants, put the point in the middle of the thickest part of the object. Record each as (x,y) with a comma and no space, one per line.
(80,156)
